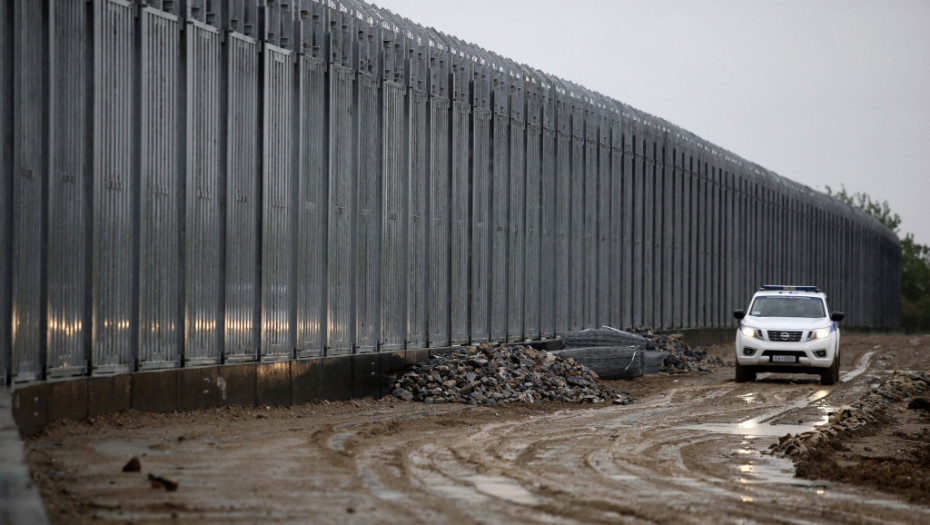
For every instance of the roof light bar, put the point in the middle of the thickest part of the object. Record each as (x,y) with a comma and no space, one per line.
(790,288)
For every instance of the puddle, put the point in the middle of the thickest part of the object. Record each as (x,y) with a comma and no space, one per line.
(503,488)
(125,449)
(753,428)
(757,468)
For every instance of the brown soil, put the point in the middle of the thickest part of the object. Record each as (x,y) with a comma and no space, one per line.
(690,451)
(892,455)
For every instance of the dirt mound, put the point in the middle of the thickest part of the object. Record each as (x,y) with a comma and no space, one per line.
(490,375)
(882,441)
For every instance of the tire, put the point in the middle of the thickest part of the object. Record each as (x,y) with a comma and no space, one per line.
(831,376)
(744,374)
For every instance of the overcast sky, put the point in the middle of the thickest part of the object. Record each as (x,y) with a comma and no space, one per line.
(824,92)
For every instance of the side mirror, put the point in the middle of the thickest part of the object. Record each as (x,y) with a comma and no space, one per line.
(739,314)
(837,316)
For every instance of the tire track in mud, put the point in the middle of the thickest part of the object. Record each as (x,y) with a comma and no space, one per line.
(690,455)
(691,451)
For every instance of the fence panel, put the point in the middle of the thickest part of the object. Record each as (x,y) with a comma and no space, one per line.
(639,210)
(312,209)
(577,259)
(500,202)
(532,201)
(547,226)
(667,214)
(678,225)
(590,217)
(29,170)
(6,183)
(563,229)
(440,219)
(242,202)
(160,191)
(204,179)
(340,258)
(394,187)
(688,211)
(460,194)
(728,273)
(516,249)
(368,219)
(604,195)
(616,248)
(628,183)
(481,204)
(68,228)
(650,218)
(393,218)
(417,254)
(114,152)
(718,274)
(277,191)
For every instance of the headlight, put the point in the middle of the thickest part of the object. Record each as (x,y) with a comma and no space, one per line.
(748,331)
(821,333)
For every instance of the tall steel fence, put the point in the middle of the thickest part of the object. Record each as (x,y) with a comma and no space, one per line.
(204,182)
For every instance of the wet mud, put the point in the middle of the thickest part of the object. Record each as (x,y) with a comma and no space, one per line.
(691,450)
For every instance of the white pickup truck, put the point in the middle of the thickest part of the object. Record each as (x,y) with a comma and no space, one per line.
(788,329)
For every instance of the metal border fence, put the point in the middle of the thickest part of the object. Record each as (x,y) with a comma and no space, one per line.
(201,182)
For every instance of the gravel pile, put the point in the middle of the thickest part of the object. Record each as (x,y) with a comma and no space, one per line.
(489,375)
(900,385)
(681,357)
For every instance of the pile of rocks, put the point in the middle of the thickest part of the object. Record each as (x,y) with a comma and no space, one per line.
(900,385)
(489,375)
(681,357)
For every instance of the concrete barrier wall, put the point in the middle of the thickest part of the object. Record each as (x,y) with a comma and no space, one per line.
(190,184)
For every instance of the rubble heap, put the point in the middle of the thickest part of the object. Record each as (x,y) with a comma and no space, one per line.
(680,357)
(489,375)
(900,385)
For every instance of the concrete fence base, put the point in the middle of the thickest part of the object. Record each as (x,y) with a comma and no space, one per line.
(281,383)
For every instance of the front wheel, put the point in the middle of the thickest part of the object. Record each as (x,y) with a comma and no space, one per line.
(831,376)
(744,374)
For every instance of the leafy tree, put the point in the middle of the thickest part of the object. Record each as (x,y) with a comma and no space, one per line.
(915,260)
(879,210)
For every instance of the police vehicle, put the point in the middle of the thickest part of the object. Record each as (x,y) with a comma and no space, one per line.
(788,329)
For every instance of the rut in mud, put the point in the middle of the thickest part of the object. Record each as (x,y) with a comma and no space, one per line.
(689,451)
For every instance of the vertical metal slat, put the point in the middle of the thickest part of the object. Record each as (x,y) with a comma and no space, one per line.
(394,187)
(6,184)
(114,114)
(242,202)
(440,218)
(417,254)
(461,218)
(202,201)
(311,213)
(67,202)
(368,229)
(277,216)
(481,222)
(159,241)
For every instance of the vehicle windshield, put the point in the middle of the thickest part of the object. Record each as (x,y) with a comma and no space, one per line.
(811,307)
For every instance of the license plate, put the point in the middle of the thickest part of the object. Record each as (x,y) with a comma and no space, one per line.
(784,359)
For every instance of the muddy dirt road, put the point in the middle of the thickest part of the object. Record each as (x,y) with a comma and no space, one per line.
(690,451)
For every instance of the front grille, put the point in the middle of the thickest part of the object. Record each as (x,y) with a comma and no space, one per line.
(784,336)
